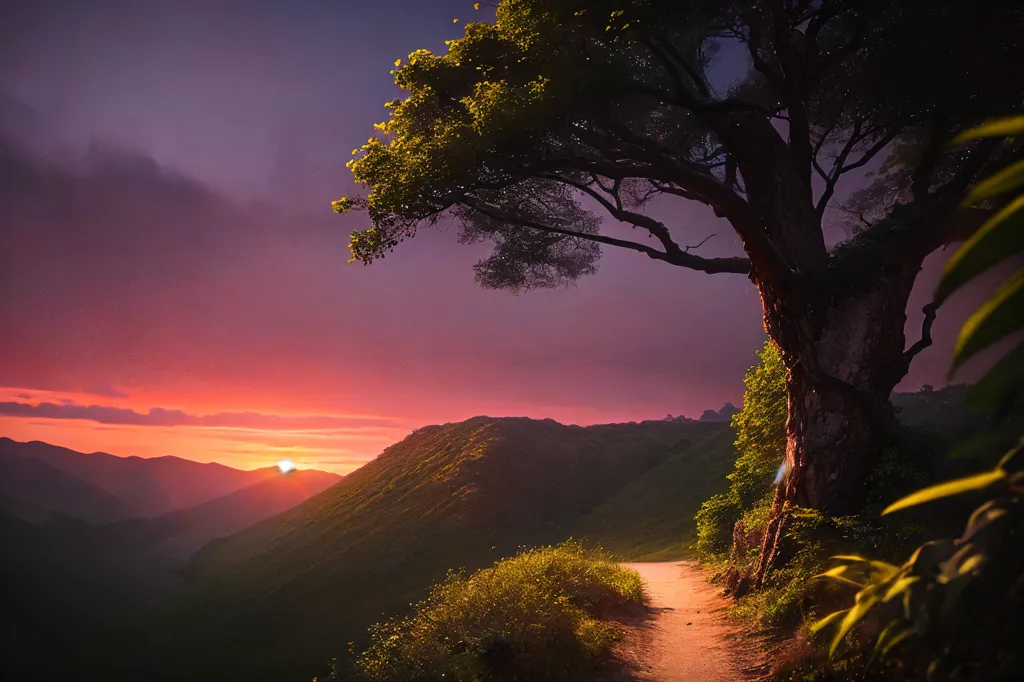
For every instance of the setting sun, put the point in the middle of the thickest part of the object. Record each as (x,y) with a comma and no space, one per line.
(285,466)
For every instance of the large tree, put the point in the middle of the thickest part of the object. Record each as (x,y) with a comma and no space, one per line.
(531,127)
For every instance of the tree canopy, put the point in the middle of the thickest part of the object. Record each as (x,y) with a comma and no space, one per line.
(529,129)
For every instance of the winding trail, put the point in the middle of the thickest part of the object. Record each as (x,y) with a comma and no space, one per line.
(686,637)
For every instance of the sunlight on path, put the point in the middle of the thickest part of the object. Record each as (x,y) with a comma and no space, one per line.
(688,638)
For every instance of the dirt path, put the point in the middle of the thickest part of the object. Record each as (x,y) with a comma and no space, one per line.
(686,637)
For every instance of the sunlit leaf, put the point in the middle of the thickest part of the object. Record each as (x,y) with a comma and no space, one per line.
(1005,180)
(900,586)
(853,616)
(998,317)
(1001,127)
(972,562)
(981,518)
(1014,459)
(1001,383)
(999,238)
(837,575)
(889,637)
(897,639)
(948,489)
(830,618)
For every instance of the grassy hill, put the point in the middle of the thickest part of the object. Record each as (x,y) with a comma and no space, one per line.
(278,600)
(651,517)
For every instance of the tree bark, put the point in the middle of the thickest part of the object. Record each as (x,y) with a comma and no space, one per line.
(845,354)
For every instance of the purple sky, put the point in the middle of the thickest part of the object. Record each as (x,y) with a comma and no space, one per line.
(175,249)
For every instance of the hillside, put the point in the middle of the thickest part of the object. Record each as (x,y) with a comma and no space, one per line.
(150,487)
(278,600)
(33,490)
(651,517)
(178,535)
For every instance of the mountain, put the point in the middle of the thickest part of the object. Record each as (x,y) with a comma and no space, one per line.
(31,490)
(178,535)
(66,583)
(278,600)
(723,415)
(152,486)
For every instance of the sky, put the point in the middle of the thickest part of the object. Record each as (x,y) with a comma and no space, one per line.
(173,281)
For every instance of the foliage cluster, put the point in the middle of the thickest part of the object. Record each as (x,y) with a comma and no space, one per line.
(541,615)
(952,611)
(761,444)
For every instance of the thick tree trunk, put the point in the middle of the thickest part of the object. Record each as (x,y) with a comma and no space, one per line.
(845,354)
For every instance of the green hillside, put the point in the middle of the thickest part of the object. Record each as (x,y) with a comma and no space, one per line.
(278,600)
(651,517)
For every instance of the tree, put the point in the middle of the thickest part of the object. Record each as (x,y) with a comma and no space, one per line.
(527,129)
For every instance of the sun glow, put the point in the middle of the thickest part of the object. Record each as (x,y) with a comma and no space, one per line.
(286,465)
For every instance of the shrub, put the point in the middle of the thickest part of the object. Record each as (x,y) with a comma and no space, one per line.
(760,443)
(538,615)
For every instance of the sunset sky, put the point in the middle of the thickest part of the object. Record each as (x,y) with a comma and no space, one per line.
(172,280)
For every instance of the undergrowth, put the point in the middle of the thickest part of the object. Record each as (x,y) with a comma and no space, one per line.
(542,614)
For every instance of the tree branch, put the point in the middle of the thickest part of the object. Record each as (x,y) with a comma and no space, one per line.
(681,259)
(926,336)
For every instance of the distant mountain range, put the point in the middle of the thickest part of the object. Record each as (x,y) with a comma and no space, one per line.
(145,487)
(89,539)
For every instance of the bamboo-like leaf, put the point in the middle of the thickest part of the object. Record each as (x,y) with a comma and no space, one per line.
(998,317)
(837,575)
(1000,127)
(830,618)
(887,639)
(1002,382)
(1006,180)
(970,563)
(1000,237)
(982,517)
(1013,459)
(902,636)
(900,586)
(849,557)
(853,616)
(947,489)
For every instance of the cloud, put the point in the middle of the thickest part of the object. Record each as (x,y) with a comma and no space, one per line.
(159,416)
(105,390)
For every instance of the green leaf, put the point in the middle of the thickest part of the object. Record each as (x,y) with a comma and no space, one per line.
(1006,180)
(897,639)
(947,489)
(830,618)
(853,616)
(888,638)
(998,317)
(1000,127)
(1014,459)
(900,586)
(837,575)
(1000,237)
(1000,384)
(982,517)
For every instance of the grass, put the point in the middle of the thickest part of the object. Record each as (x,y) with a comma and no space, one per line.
(542,614)
(652,517)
